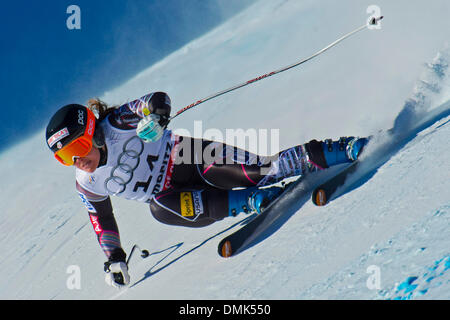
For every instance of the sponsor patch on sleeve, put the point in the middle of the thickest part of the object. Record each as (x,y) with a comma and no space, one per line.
(86,203)
(97,228)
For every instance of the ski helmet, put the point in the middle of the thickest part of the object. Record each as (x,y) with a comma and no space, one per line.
(70,133)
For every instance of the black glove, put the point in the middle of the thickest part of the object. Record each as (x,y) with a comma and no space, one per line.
(164,121)
(160,104)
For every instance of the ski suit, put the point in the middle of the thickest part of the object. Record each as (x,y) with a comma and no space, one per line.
(172,176)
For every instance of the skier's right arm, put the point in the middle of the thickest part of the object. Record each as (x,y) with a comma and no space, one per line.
(102,218)
(105,226)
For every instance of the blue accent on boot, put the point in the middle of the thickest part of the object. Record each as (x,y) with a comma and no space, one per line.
(238,201)
(250,199)
(261,198)
(335,151)
(355,146)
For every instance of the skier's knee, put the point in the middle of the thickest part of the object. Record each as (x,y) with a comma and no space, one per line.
(182,208)
(169,208)
(158,212)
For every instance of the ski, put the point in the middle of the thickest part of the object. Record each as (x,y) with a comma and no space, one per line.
(237,241)
(300,190)
(323,193)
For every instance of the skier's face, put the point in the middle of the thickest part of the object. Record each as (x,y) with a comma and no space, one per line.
(90,162)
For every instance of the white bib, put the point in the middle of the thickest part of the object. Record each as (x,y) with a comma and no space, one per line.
(134,170)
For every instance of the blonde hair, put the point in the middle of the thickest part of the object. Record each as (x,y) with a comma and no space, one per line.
(99,108)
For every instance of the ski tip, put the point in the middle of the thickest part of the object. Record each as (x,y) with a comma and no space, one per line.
(226,250)
(320,197)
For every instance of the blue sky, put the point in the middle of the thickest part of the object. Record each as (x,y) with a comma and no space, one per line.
(44,65)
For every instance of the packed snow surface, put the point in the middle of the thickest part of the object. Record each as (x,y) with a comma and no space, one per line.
(387,237)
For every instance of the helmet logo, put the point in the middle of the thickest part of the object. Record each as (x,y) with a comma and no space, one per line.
(57,137)
(81,117)
(59,145)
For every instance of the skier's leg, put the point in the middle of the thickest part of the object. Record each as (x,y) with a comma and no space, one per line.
(199,208)
(244,169)
(207,163)
(226,167)
(313,156)
(189,207)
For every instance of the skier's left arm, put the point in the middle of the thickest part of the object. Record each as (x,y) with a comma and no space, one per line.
(148,115)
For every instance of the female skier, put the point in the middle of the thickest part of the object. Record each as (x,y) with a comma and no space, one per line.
(128,151)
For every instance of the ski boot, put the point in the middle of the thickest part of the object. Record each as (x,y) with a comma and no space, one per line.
(355,147)
(251,200)
(324,154)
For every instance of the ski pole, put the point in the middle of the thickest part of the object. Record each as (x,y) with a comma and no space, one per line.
(373,21)
(144,253)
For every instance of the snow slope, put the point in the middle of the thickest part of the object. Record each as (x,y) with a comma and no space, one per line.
(395,222)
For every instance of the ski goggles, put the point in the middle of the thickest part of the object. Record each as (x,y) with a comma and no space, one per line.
(79,147)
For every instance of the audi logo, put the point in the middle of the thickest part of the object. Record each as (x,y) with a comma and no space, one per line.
(127,162)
